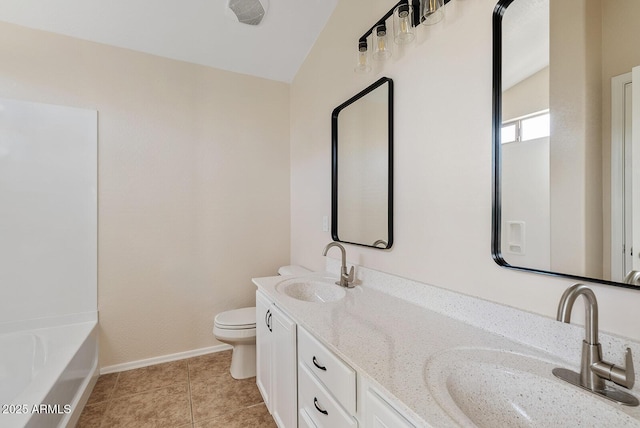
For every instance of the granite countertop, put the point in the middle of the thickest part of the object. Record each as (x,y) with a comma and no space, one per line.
(397,345)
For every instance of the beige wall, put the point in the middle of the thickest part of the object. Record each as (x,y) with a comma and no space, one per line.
(576,144)
(442,161)
(526,97)
(193,183)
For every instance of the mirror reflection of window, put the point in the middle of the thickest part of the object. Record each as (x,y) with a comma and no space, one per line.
(509,133)
(532,127)
(526,194)
(568,204)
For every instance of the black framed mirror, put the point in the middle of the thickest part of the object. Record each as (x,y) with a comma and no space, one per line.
(563,187)
(362,168)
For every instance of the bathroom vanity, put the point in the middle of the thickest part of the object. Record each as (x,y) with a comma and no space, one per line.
(398,353)
(326,390)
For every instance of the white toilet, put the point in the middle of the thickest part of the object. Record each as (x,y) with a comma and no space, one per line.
(238,328)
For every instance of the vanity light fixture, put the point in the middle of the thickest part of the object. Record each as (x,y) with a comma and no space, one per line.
(405,19)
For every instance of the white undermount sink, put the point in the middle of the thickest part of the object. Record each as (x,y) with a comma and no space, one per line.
(310,289)
(489,388)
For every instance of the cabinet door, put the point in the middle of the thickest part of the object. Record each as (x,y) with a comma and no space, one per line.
(284,393)
(305,420)
(380,414)
(264,348)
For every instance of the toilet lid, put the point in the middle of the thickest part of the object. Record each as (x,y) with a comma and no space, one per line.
(238,318)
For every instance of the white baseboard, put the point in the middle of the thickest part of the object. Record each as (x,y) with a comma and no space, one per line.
(163,359)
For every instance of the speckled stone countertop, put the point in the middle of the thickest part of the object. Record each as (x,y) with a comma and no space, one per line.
(401,341)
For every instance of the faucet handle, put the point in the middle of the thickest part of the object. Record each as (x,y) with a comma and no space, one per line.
(351,275)
(625,377)
(622,376)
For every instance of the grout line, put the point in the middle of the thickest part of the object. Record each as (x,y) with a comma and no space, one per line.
(108,401)
(113,390)
(189,392)
(255,405)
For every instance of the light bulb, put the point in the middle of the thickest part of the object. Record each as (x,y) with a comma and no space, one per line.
(402,19)
(382,42)
(381,46)
(431,11)
(362,65)
(404,25)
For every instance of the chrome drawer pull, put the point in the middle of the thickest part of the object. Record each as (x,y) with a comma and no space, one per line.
(315,363)
(315,403)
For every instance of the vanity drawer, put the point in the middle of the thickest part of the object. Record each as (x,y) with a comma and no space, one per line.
(335,374)
(318,404)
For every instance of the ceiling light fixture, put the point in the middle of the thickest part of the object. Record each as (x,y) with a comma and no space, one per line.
(405,19)
(249,12)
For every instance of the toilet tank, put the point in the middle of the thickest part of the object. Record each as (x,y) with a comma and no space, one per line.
(293,270)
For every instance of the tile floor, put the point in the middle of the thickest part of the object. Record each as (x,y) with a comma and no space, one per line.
(195,393)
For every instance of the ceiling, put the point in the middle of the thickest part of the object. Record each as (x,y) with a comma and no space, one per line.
(204,32)
(525,40)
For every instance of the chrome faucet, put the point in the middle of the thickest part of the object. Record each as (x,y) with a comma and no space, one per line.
(593,369)
(346,279)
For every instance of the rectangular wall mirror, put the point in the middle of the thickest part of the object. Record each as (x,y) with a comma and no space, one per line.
(362,168)
(566,162)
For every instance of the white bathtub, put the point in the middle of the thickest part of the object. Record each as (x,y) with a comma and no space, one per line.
(46,375)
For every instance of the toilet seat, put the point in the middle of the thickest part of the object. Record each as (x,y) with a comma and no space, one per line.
(237,319)
(235,335)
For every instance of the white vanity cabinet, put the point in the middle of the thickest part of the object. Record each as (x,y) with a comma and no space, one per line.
(326,386)
(328,392)
(378,413)
(304,384)
(276,374)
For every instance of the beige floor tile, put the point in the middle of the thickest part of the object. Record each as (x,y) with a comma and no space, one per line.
(164,407)
(211,397)
(92,414)
(255,417)
(103,389)
(150,378)
(174,395)
(209,365)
